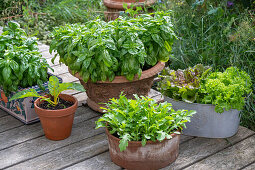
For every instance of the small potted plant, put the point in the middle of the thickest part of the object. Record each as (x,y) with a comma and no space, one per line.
(217,97)
(121,55)
(55,110)
(115,6)
(141,133)
(21,66)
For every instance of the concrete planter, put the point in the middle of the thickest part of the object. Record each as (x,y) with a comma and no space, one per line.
(206,122)
(152,156)
(22,109)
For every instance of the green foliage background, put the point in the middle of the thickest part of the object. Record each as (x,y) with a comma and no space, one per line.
(209,32)
(216,35)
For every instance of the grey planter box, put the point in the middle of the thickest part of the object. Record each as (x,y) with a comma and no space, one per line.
(206,122)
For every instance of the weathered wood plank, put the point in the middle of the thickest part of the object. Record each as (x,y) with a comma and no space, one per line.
(3,113)
(59,69)
(199,148)
(68,77)
(102,161)
(185,138)
(9,122)
(250,167)
(154,93)
(56,62)
(81,97)
(234,157)
(68,155)
(70,92)
(46,54)
(39,146)
(43,47)
(24,133)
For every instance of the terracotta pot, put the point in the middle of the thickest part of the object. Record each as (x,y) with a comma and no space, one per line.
(115,6)
(153,155)
(101,92)
(57,124)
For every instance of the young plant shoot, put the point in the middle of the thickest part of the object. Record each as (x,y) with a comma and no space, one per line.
(55,88)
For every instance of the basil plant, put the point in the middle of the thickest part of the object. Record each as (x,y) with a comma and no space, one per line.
(21,65)
(101,50)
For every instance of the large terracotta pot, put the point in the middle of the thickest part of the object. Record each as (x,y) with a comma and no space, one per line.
(115,6)
(57,124)
(100,92)
(153,155)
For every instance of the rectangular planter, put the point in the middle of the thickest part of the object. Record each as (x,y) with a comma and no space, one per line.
(206,122)
(23,109)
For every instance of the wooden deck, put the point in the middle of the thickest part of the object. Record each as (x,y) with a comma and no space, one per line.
(25,147)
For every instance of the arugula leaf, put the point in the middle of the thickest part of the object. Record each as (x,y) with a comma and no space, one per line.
(154,121)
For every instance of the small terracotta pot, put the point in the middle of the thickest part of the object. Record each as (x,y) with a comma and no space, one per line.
(57,124)
(118,4)
(152,156)
(115,6)
(101,92)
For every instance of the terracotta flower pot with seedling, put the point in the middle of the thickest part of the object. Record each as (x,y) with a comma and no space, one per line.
(55,110)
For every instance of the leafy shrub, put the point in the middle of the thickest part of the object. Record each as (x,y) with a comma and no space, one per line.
(182,84)
(226,90)
(20,62)
(142,119)
(101,51)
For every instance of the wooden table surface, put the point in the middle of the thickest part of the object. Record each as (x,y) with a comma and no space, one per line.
(25,146)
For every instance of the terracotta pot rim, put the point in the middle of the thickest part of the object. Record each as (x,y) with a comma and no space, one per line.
(119,4)
(135,143)
(122,79)
(56,113)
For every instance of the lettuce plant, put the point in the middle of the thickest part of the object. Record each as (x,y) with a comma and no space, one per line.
(99,51)
(226,90)
(21,65)
(142,119)
(183,84)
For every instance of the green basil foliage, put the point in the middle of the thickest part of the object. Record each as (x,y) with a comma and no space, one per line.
(55,89)
(142,119)
(226,90)
(20,62)
(99,51)
(183,84)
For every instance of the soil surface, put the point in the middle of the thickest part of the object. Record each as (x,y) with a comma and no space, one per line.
(62,104)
